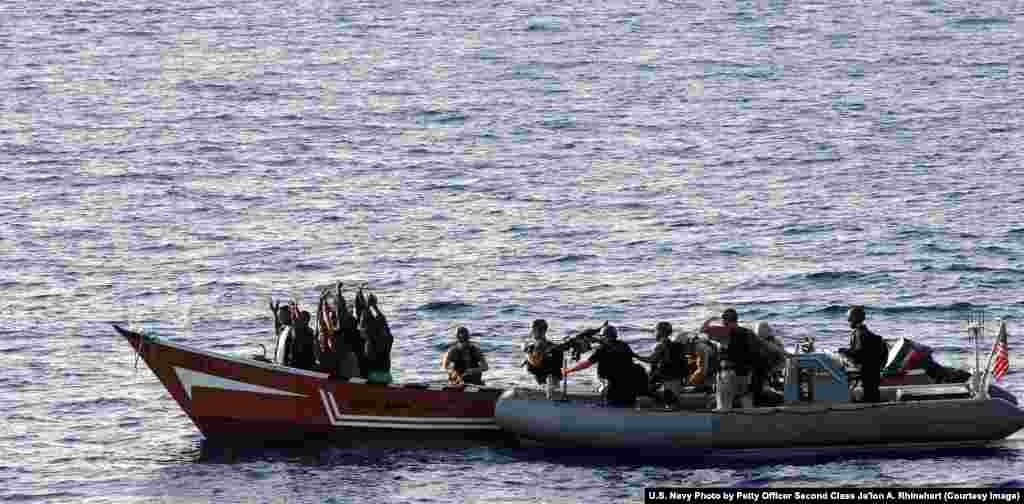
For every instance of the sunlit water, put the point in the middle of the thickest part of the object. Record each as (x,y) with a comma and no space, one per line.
(173,165)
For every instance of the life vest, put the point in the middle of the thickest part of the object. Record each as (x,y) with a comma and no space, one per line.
(541,362)
(703,359)
(698,369)
(464,358)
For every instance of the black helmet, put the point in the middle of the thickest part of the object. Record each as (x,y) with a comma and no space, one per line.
(461,333)
(539,325)
(662,329)
(856,314)
(730,315)
(609,332)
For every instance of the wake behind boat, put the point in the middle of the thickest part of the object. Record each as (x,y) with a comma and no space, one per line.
(237,399)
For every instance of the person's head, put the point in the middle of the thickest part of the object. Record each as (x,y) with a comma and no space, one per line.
(730,317)
(305,317)
(284,315)
(609,332)
(662,331)
(855,316)
(539,329)
(764,331)
(462,336)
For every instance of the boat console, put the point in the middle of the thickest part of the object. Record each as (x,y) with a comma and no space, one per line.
(815,377)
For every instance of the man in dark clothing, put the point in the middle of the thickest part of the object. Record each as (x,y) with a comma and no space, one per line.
(464,361)
(302,353)
(867,350)
(614,359)
(736,358)
(668,364)
(373,327)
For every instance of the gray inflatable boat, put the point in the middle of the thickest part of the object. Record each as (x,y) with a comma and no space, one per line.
(817,412)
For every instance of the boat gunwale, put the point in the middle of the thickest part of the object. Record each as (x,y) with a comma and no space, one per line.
(146,340)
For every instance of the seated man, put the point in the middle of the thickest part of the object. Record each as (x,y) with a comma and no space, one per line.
(464,362)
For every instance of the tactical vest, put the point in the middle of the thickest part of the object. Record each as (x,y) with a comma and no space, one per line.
(465,358)
(737,355)
(615,361)
(541,362)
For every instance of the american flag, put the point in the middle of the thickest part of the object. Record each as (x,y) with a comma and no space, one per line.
(1002,352)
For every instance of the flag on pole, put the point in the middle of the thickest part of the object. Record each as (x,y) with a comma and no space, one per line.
(1002,353)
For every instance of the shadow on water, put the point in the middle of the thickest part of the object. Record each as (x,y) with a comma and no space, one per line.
(1007,450)
(327,453)
(333,453)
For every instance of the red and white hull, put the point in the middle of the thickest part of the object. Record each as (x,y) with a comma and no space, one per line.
(231,398)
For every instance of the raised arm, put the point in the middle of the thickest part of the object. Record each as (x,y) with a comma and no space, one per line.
(274,305)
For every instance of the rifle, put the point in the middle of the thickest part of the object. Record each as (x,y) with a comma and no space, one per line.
(578,344)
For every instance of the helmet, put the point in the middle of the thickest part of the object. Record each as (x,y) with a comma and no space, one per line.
(857,313)
(609,332)
(663,329)
(730,315)
(539,327)
(461,333)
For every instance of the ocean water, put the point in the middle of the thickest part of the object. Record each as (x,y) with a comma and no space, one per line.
(173,165)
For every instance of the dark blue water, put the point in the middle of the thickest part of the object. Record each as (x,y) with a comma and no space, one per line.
(174,164)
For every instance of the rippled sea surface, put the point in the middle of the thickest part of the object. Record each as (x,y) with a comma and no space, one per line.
(174,164)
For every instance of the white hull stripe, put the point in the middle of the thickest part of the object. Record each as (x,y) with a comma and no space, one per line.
(327,407)
(335,410)
(381,425)
(392,422)
(190,378)
(446,420)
